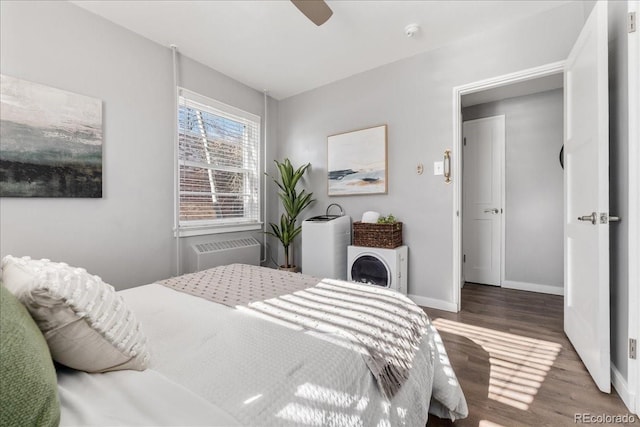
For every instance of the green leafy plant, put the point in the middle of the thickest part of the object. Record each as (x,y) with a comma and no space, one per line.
(293,202)
(389,219)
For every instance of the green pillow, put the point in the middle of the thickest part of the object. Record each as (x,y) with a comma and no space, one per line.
(28,386)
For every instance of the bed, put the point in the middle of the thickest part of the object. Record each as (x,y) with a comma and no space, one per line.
(234,363)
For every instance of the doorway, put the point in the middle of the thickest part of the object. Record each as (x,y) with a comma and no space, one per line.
(506,84)
(512,186)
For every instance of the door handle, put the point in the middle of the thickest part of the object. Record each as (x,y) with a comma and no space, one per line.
(593,218)
(492,211)
(446,166)
(605,218)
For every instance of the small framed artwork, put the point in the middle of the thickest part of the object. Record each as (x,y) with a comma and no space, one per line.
(51,141)
(357,162)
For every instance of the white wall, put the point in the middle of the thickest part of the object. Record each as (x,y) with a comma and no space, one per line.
(126,237)
(534,185)
(414,98)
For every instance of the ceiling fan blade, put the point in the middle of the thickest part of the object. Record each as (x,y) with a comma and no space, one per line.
(316,10)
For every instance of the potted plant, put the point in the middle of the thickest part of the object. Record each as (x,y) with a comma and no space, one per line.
(294,202)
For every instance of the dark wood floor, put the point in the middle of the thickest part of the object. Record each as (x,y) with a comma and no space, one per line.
(514,363)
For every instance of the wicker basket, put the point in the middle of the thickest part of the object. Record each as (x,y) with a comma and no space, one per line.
(377,235)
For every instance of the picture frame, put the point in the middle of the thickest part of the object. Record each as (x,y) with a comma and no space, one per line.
(357,162)
(51,141)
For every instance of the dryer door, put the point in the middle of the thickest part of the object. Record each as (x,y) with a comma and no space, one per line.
(371,270)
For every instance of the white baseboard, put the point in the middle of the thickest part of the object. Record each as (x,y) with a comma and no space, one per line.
(434,303)
(533,287)
(621,386)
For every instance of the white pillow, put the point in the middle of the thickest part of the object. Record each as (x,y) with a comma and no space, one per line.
(85,322)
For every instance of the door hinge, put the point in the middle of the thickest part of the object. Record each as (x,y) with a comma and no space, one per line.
(631,22)
(464,141)
(464,258)
(632,348)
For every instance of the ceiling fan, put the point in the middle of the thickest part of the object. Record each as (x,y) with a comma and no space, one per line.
(316,10)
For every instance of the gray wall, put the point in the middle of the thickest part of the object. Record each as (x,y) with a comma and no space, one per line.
(619,182)
(126,237)
(534,185)
(414,98)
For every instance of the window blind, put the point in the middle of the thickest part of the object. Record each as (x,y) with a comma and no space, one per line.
(218,163)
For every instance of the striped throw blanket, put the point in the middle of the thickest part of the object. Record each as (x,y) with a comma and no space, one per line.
(383,325)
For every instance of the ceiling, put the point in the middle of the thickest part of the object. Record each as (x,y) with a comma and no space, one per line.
(270,45)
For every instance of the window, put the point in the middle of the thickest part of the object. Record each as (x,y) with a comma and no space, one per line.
(218,166)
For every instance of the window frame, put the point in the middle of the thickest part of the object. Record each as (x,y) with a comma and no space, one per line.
(223,225)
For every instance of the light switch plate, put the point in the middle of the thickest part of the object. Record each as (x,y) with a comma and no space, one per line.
(438,168)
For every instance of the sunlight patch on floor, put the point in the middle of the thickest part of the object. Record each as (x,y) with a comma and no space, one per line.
(518,364)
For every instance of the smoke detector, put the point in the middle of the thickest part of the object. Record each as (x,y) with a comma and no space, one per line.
(411,30)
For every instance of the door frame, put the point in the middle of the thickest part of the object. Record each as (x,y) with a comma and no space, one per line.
(456,163)
(633,48)
(503,168)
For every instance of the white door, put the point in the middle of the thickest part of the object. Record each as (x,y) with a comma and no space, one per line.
(586,231)
(483,164)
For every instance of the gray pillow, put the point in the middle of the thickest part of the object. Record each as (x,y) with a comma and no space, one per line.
(28,386)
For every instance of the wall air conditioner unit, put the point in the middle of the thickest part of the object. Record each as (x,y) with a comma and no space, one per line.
(213,254)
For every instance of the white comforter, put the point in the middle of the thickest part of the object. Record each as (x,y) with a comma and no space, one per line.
(237,369)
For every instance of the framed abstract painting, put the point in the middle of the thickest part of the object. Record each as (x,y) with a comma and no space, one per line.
(357,162)
(50,141)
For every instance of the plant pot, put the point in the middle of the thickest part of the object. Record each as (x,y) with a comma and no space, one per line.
(292,269)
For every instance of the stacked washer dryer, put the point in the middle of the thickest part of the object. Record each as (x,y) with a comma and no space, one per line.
(378,266)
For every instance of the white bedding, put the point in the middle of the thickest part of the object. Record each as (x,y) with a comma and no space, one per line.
(248,371)
(133,398)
